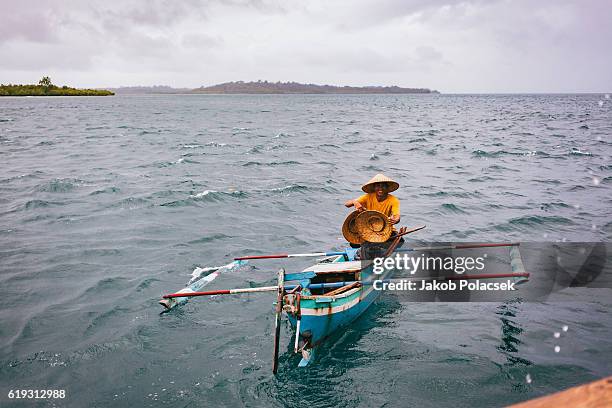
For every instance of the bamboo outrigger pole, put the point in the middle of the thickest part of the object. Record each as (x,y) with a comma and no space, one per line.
(276,256)
(330,285)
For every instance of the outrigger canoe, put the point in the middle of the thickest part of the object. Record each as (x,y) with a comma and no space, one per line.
(332,293)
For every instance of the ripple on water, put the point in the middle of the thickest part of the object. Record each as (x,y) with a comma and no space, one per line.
(530,222)
(60,185)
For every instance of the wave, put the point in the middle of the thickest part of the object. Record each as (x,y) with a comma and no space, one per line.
(460,194)
(499,168)
(272,164)
(483,179)
(132,203)
(206,196)
(292,188)
(149,132)
(533,221)
(214,195)
(430,132)
(548,181)
(35,175)
(553,205)
(540,220)
(577,152)
(209,238)
(108,190)
(110,284)
(60,185)
(370,168)
(215,144)
(452,208)
(500,153)
(33,204)
(45,143)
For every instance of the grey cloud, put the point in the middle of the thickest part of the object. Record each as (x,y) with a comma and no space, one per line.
(196,40)
(428,53)
(36,25)
(491,45)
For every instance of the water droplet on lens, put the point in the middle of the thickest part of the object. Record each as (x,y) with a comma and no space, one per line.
(565,328)
(557,349)
(596,181)
(528,379)
(600,103)
(557,335)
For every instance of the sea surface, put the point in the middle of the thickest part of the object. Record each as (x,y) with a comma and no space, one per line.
(107,203)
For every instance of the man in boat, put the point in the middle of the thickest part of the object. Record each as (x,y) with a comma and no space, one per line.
(377,198)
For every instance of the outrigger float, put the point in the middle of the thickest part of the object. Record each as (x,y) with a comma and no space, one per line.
(332,293)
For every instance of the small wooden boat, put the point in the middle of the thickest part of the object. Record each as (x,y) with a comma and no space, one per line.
(332,293)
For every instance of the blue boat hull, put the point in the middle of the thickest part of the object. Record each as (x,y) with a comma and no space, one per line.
(318,327)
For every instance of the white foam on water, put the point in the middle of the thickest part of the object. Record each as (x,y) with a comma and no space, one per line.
(198,272)
(204,193)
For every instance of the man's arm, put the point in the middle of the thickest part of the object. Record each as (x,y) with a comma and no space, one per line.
(358,206)
(395,212)
(394,219)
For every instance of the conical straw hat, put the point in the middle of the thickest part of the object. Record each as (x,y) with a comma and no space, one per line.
(373,226)
(349,229)
(380,178)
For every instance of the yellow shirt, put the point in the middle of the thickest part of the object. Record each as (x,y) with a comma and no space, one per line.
(389,206)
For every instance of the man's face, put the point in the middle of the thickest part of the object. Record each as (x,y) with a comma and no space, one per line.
(381,190)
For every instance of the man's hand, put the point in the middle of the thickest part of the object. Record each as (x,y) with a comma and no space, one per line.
(394,219)
(358,206)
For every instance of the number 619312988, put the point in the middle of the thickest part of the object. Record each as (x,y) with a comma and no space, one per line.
(36,394)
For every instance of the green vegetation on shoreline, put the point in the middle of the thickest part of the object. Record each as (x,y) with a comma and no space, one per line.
(46,88)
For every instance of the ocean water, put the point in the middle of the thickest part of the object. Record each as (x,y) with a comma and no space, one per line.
(108,203)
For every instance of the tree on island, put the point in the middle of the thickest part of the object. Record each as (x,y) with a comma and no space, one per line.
(46,88)
(45,81)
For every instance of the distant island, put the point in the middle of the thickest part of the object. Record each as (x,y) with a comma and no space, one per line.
(46,88)
(265,87)
(149,90)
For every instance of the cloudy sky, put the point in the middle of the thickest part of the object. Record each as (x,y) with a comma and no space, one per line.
(452,46)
